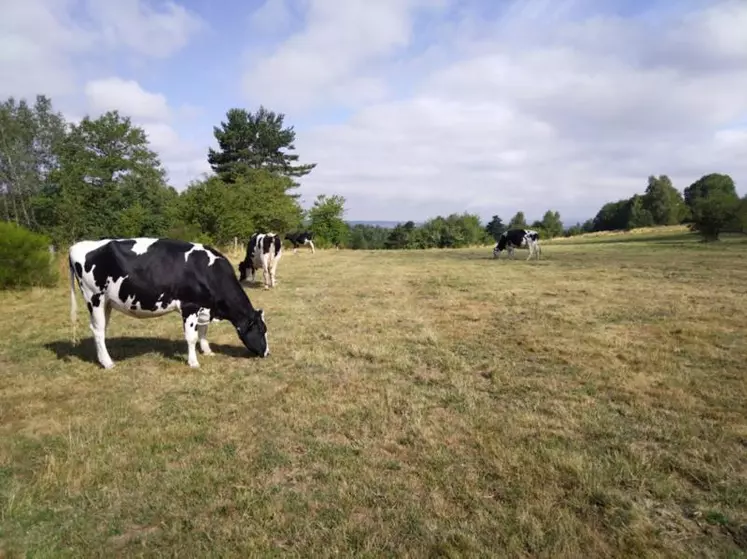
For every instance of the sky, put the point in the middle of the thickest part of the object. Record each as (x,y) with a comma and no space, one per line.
(412,108)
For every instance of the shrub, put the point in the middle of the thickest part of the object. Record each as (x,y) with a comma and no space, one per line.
(24,258)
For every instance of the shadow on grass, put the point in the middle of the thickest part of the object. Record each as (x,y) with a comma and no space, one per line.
(123,348)
(256,284)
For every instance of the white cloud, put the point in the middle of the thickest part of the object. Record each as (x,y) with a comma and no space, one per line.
(37,40)
(143,28)
(324,61)
(128,97)
(531,112)
(44,42)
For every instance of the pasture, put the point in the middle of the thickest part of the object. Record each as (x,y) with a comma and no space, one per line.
(415,403)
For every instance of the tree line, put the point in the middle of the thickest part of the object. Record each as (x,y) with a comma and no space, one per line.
(100,178)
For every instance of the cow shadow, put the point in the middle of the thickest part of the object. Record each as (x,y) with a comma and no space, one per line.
(124,348)
(252,285)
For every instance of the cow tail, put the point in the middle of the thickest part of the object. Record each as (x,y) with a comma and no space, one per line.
(73,302)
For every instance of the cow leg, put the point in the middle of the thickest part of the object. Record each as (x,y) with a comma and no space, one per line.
(274,267)
(311,244)
(242,271)
(266,272)
(100,312)
(531,251)
(203,321)
(189,315)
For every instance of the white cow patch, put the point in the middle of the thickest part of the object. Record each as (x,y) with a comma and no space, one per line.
(141,245)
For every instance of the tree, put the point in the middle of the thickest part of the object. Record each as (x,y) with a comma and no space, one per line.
(518,221)
(612,216)
(740,216)
(106,170)
(29,138)
(713,203)
(255,141)
(663,201)
(551,224)
(708,184)
(573,230)
(495,228)
(372,237)
(255,202)
(636,214)
(326,220)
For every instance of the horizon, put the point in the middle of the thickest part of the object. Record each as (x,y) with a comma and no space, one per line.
(413,108)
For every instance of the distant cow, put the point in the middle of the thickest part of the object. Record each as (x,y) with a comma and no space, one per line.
(146,277)
(302,238)
(518,238)
(262,252)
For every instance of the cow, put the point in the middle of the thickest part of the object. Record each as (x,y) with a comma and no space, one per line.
(302,238)
(518,238)
(263,251)
(149,277)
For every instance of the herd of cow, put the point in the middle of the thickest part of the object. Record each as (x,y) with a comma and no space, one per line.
(149,277)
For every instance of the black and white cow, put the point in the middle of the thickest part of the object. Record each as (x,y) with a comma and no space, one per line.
(146,277)
(302,238)
(518,238)
(262,252)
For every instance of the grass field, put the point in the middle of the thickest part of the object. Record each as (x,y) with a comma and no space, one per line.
(424,403)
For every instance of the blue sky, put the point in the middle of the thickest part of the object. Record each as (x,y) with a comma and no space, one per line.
(413,108)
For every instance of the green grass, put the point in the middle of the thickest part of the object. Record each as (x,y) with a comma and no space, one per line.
(424,403)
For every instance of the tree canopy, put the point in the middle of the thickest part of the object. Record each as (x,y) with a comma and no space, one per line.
(326,217)
(256,140)
(714,205)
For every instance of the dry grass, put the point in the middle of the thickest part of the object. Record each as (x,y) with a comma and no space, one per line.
(416,404)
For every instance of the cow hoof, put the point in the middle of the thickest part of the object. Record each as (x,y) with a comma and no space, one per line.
(109,365)
(195,365)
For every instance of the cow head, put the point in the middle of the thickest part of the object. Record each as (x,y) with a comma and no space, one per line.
(253,332)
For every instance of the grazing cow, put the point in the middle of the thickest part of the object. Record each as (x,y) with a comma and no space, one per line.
(263,251)
(302,238)
(518,238)
(145,277)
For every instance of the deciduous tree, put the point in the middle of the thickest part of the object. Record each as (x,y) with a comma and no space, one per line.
(663,201)
(713,203)
(327,222)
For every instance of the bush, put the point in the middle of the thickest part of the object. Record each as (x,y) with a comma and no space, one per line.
(24,258)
